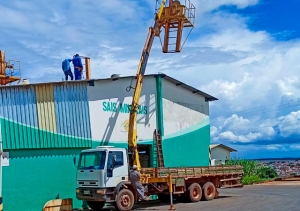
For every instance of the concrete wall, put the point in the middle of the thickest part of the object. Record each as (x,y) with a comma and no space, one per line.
(109,101)
(186,126)
(220,153)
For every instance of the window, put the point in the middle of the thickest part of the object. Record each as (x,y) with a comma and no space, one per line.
(118,157)
(92,160)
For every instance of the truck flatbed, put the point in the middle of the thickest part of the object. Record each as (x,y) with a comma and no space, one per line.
(191,172)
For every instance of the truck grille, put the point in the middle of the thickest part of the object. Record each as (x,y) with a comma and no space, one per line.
(88,183)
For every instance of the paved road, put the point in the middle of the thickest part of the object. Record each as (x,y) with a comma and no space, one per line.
(274,196)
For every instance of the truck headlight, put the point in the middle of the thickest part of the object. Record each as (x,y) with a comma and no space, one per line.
(77,190)
(101,191)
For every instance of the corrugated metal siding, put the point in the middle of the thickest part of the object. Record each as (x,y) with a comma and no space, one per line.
(45,106)
(72,111)
(17,107)
(45,116)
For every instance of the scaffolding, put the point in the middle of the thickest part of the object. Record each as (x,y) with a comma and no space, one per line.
(9,71)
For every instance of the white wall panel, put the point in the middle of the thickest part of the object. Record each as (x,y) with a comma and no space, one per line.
(182,108)
(109,100)
(220,153)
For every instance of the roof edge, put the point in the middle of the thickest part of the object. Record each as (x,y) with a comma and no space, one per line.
(223,146)
(166,77)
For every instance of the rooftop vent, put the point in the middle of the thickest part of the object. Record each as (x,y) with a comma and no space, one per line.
(24,81)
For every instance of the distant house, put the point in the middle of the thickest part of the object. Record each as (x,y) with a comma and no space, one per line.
(220,152)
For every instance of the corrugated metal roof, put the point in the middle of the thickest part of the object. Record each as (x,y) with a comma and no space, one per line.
(164,76)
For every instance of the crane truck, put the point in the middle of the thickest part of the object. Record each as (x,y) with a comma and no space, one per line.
(103,174)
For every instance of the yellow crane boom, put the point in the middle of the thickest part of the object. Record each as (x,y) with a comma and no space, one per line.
(132,129)
(170,17)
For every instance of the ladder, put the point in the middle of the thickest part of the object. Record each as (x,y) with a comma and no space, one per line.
(158,141)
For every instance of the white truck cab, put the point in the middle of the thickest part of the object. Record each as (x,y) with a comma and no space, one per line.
(100,174)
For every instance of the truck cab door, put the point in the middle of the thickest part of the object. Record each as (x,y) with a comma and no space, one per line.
(117,168)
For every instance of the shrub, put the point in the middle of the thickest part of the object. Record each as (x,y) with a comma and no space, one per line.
(253,172)
(266,172)
(250,166)
(249,180)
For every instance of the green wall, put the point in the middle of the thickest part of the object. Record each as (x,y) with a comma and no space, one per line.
(188,149)
(34,177)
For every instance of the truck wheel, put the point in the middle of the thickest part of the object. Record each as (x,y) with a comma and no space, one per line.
(125,200)
(96,205)
(194,193)
(209,191)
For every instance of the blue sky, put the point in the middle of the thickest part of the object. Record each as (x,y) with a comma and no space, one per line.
(244,52)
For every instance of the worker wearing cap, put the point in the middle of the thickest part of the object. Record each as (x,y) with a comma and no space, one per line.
(77,66)
(135,181)
(67,68)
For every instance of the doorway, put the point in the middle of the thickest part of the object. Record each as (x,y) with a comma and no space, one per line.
(144,154)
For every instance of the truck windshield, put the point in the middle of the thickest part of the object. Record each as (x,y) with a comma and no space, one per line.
(92,160)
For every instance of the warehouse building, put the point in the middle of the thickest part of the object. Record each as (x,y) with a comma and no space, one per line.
(43,126)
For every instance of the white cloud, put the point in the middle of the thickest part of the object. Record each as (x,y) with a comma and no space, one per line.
(237,129)
(213,131)
(290,124)
(245,69)
(205,6)
(276,147)
(295,147)
(228,90)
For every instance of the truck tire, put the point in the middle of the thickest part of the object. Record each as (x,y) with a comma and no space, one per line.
(209,191)
(125,200)
(95,205)
(194,193)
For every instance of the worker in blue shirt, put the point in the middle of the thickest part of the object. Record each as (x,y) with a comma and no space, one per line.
(67,68)
(77,66)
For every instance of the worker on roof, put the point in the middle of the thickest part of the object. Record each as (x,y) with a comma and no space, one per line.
(135,181)
(77,67)
(67,68)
